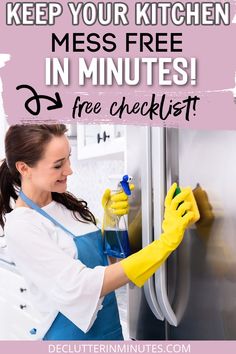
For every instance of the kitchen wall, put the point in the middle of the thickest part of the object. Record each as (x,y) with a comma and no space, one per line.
(90,178)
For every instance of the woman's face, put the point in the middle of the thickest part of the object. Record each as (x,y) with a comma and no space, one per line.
(50,173)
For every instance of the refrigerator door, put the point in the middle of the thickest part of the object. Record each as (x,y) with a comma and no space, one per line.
(145,319)
(201,274)
(164,173)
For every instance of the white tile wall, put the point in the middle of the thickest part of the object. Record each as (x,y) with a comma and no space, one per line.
(90,178)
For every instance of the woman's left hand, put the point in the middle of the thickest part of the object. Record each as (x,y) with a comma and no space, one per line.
(117,203)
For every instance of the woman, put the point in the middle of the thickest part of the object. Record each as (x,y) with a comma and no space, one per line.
(55,243)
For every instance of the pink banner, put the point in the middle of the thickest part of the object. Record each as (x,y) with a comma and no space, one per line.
(192,347)
(142,63)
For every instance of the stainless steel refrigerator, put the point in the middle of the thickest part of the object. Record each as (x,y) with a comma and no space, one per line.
(193,295)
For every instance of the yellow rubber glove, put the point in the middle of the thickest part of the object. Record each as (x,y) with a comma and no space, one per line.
(175,209)
(114,205)
(143,264)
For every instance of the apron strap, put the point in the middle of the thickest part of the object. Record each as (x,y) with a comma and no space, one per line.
(34,206)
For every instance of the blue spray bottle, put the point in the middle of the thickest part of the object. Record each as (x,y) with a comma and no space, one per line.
(116,238)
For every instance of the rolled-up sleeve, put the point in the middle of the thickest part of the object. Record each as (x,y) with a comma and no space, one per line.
(74,288)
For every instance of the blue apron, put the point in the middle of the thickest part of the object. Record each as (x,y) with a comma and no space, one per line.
(90,253)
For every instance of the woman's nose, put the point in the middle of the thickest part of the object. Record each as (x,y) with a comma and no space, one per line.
(67,171)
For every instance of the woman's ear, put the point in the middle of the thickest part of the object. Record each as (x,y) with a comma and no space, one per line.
(23,169)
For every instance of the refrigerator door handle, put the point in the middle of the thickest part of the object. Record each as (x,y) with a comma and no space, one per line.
(150,295)
(147,229)
(159,173)
(163,300)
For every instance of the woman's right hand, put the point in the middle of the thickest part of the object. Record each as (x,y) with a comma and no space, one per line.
(180,212)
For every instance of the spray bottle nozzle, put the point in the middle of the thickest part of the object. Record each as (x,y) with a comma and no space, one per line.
(125,184)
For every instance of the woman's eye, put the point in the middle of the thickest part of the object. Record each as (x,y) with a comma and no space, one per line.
(57,167)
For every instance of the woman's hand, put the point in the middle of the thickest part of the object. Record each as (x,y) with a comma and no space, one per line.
(116,204)
(180,212)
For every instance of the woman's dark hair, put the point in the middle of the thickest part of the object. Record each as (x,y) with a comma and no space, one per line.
(27,143)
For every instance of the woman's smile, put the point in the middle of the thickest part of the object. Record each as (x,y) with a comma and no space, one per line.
(62,181)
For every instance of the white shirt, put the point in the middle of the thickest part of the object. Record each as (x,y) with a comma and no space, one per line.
(46,257)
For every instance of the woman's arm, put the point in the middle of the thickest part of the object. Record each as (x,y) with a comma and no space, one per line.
(180,212)
(114,278)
